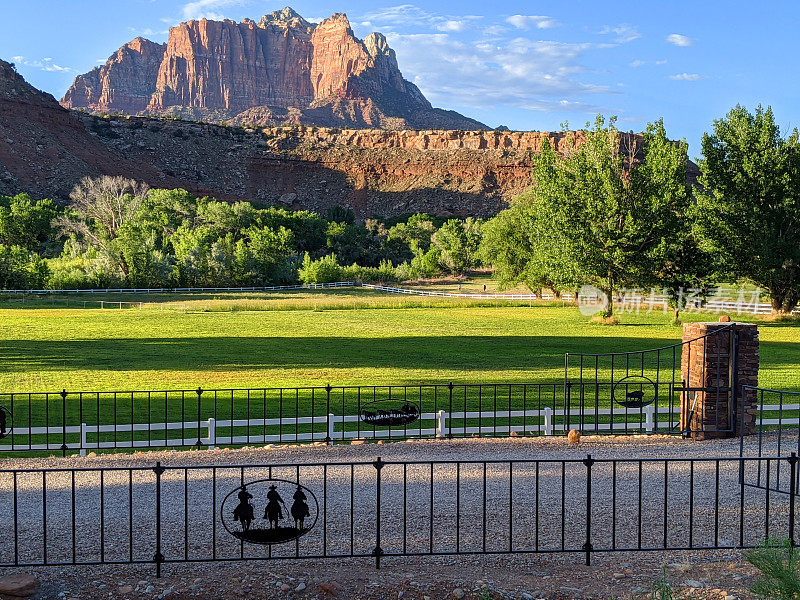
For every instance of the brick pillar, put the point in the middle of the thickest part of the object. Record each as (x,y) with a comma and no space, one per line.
(705,363)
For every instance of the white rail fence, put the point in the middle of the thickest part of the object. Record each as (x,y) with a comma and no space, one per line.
(649,302)
(549,421)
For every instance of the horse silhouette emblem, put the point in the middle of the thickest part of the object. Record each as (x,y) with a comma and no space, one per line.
(389,412)
(280,524)
(5,422)
(634,391)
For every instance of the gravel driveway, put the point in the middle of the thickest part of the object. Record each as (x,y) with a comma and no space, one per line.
(473,505)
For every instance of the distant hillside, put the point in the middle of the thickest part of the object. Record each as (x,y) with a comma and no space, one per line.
(280,70)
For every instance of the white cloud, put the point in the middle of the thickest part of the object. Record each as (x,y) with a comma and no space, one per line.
(494,30)
(624,33)
(535,75)
(452,25)
(687,77)
(528,21)
(638,63)
(43,64)
(208,9)
(661,62)
(408,14)
(679,40)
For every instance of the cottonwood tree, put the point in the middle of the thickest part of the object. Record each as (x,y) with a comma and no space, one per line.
(603,215)
(748,211)
(99,208)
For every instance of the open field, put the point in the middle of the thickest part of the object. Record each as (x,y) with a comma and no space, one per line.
(342,337)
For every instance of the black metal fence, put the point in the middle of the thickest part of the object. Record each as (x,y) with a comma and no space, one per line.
(660,377)
(176,514)
(777,431)
(83,421)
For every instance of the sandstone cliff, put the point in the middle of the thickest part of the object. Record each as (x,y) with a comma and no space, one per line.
(45,150)
(282,69)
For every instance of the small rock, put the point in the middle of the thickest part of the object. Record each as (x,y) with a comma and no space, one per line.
(149,589)
(526,596)
(358,442)
(681,567)
(574,436)
(20,585)
(400,594)
(619,576)
(286,587)
(330,587)
(301,586)
(458,593)
(125,589)
(694,583)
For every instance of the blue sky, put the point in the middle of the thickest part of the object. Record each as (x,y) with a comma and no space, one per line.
(527,65)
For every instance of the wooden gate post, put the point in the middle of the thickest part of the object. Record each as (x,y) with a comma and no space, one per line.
(714,367)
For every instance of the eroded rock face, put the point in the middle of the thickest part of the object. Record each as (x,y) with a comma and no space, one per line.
(45,150)
(126,80)
(282,69)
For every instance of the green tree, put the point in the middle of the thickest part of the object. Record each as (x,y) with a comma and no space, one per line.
(458,243)
(599,215)
(522,248)
(748,208)
(26,222)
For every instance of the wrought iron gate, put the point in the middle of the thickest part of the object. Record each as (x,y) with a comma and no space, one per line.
(645,390)
(777,418)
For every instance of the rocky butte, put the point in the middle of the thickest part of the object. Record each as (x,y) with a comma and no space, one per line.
(45,149)
(279,70)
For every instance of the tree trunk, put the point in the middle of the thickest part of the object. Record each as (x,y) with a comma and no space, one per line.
(609,292)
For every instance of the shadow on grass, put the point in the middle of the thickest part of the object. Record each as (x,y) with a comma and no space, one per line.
(236,353)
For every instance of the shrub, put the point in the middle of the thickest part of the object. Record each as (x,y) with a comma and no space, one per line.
(780,568)
(323,270)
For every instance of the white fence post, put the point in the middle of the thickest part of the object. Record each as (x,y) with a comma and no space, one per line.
(548,420)
(440,424)
(331,423)
(83,439)
(649,418)
(212,434)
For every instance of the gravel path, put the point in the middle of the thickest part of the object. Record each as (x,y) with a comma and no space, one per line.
(115,518)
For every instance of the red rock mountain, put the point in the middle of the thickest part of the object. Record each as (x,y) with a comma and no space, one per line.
(280,70)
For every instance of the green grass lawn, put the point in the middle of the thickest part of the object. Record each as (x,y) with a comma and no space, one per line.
(308,339)
(342,337)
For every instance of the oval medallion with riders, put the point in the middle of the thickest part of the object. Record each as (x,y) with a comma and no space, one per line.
(269,511)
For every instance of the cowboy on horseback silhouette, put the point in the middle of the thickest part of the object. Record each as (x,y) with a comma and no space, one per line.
(300,508)
(273,510)
(244,510)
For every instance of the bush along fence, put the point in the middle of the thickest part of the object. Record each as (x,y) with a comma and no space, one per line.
(164,515)
(80,421)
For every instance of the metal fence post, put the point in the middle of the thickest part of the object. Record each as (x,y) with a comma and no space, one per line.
(63,424)
(587,546)
(328,437)
(450,411)
(378,551)
(199,392)
(158,558)
(792,488)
